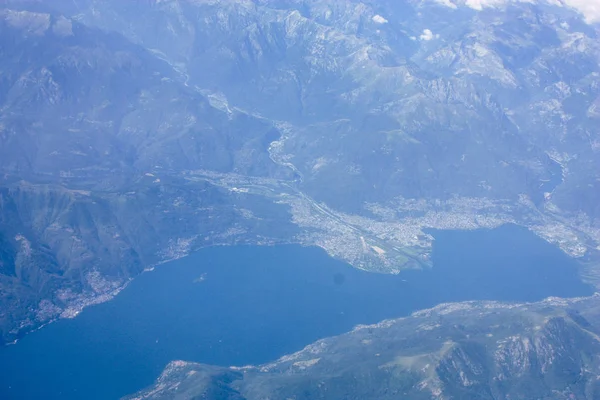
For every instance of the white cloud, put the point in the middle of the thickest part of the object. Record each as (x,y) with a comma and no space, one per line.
(447,3)
(479,4)
(590,9)
(379,19)
(427,35)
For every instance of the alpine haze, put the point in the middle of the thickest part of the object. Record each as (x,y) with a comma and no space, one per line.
(135,132)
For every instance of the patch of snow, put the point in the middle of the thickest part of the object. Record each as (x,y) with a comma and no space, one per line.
(480,4)
(428,35)
(589,9)
(378,19)
(447,3)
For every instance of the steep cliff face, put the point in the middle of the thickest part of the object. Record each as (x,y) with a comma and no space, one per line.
(547,350)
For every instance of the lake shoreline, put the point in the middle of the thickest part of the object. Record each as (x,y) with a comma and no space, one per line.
(256,304)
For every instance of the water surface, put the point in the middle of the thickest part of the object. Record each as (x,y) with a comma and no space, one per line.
(247,305)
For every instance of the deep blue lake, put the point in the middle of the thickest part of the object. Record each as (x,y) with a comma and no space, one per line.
(246,305)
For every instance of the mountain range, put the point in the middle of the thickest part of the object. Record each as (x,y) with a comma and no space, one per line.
(132,133)
(549,350)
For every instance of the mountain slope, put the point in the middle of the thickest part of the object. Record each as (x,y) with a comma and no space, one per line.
(477,106)
(384,101)
(546,350)
(83,124)
(134,132)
